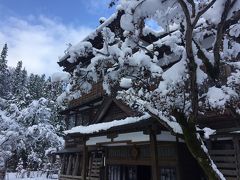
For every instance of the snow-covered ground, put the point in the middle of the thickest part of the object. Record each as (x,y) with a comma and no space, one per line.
(33,176)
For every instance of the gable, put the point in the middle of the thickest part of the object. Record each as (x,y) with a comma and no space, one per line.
(112,109)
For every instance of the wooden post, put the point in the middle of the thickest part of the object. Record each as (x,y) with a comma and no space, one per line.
(84,161)
(104,164)
(76,165)
(69,167)
(179,171)
(154,156)
(62,164)
(237,154)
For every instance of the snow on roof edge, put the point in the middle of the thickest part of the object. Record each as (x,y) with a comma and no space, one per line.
(101,26)
(93,34)
(94,128)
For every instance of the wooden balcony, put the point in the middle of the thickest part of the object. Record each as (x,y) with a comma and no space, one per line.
(95,93)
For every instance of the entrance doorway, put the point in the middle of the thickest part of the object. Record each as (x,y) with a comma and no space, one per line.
(124,172)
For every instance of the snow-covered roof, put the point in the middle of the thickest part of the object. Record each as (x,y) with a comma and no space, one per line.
(92,35)
(94,128)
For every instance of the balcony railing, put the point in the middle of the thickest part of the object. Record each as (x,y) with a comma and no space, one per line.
(96,92)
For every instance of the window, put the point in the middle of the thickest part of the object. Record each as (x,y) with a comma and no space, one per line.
(124,172)
(71,121)
(82,119)
(168,174)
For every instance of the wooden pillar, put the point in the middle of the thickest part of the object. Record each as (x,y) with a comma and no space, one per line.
(154,156)
(84,161)
(237,155)
(76,165)
(62,164)
(69,167)
(179,167)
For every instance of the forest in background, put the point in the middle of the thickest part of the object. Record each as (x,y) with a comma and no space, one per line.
(30,124)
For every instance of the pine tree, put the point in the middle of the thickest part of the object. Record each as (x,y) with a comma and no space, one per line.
(31,86)
(56,119)
(23,91)
(3,59)
(17,79)
(4,73)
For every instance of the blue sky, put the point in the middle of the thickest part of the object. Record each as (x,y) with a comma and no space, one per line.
(37,31)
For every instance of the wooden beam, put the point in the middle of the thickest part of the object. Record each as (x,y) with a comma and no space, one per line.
(114,142)
(154,156)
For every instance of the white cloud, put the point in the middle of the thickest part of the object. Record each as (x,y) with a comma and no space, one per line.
(97,7)
(38,41)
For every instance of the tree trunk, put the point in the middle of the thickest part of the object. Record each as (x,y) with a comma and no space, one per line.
(191,137)
(196,147)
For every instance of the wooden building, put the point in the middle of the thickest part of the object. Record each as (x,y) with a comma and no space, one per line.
(135,147)
(225,143)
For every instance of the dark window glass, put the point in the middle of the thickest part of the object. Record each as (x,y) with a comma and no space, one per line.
(168,174)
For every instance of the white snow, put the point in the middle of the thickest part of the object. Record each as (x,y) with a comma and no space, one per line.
(106,125)
(60,99)
(60,76)
(33,176)
(218,97)
(217,170)
(80,49)
(127,22)
(213,14)
(172,76)
(102,19)
(208,132)
(126,83)
(171,122)
(201,75)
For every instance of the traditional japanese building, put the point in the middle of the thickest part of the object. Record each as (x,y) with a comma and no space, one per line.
(110,141)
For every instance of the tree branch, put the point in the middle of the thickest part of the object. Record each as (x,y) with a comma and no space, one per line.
(199,14)
(209,67)
(233,20)
(193,7)
(220,29)
(186,12)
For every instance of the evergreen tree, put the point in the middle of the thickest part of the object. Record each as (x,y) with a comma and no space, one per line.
(17,79)
(24,78)
(31,87)
(56,119)
(29,118)
(4,73)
